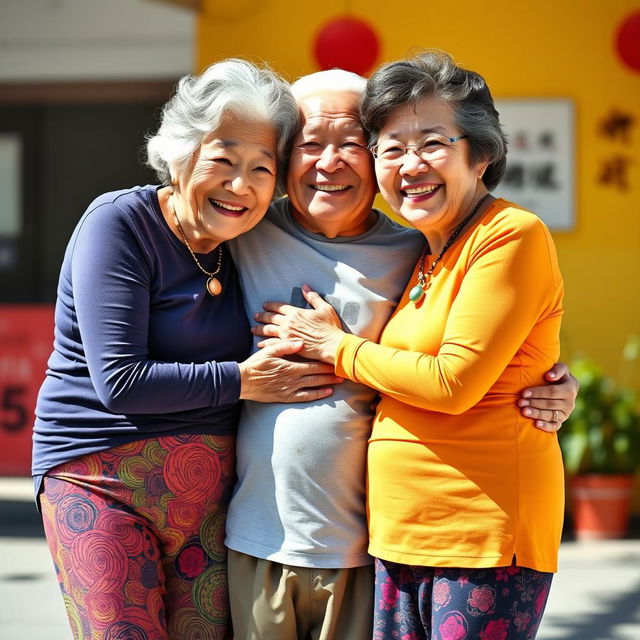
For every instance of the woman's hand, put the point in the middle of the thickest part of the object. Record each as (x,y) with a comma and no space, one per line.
(550,405)
(318,328)
(267,377)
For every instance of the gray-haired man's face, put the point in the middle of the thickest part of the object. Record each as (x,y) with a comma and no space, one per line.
(331,182)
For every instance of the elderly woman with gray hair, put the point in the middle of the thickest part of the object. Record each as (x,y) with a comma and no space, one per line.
(133,456)
(465,500)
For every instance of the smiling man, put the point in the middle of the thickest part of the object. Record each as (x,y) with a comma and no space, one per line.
(297,528)
(330,181)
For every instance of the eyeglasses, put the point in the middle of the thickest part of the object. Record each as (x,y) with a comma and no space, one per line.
(391,152)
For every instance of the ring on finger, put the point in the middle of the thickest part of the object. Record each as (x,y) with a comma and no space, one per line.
(555,415)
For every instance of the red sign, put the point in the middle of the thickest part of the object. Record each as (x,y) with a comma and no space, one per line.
(26,340)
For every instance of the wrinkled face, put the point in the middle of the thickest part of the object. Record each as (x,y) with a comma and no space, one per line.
(330,182)
(436,191)
(230,183)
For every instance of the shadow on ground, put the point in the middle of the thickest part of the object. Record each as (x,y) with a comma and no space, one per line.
(615,611)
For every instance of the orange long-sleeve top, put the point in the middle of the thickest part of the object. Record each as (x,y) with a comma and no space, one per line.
(456,477)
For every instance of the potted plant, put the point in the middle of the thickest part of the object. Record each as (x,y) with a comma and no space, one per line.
(601,448)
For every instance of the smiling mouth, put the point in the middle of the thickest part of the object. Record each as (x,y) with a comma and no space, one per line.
(227,208)
(413,192)
(330,188)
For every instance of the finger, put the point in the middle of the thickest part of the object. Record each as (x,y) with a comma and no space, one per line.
(268,330)
(543,403)
(554,415)
(269,342)
(558,409)
(309,395)
(314,298)
(312,368)
(284,347)
(558,371)
(321,380)
(266,317)
(550,391)
(278,307)
(550,427)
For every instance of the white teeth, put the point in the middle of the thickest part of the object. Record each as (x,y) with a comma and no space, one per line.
(418,191)
(330,187)
(226,206)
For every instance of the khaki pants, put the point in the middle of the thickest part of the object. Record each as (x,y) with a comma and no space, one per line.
(272,601)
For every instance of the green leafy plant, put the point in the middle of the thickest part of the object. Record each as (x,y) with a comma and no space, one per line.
(602,434)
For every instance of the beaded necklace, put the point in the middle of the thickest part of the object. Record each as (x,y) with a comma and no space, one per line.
(424,279)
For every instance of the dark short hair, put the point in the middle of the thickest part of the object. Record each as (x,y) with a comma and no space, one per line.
(435,73)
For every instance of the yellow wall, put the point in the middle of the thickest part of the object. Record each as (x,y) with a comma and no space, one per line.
(534,49)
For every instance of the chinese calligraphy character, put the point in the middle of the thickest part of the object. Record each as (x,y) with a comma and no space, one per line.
(617,126)
(614,172)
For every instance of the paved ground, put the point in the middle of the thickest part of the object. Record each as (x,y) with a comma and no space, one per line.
(595,596)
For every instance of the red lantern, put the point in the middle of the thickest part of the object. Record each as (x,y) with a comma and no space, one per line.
(628,41)
(347,43)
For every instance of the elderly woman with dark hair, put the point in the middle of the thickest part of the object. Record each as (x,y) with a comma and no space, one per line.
(133,455)
(465,499)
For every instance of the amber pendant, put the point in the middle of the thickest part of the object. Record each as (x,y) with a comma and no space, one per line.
(213,286)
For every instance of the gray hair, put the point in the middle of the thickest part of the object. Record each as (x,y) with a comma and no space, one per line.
(200,102)
(329,80)
(435,73)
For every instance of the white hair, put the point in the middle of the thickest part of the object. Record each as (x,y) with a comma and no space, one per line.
(330,80)
(200,102)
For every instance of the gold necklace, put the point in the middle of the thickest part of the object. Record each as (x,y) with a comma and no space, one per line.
(424,279)
(214,286)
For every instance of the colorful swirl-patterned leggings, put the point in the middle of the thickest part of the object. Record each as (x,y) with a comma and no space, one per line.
(425,603)
(137,538)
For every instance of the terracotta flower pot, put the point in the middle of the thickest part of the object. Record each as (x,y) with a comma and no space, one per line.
(600,505)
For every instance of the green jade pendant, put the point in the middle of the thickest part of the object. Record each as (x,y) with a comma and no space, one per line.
(415,295)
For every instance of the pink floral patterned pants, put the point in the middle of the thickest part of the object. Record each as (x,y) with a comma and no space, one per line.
(137,538)
(425,603)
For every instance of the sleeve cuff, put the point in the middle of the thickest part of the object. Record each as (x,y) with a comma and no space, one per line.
(226,389)
(345,364)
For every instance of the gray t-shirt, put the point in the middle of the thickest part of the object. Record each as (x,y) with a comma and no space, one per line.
(300,495)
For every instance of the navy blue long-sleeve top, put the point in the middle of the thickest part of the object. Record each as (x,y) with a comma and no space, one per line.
(140,348)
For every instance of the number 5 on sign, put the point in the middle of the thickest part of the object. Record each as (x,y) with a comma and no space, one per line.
(26,337)
(14,413)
